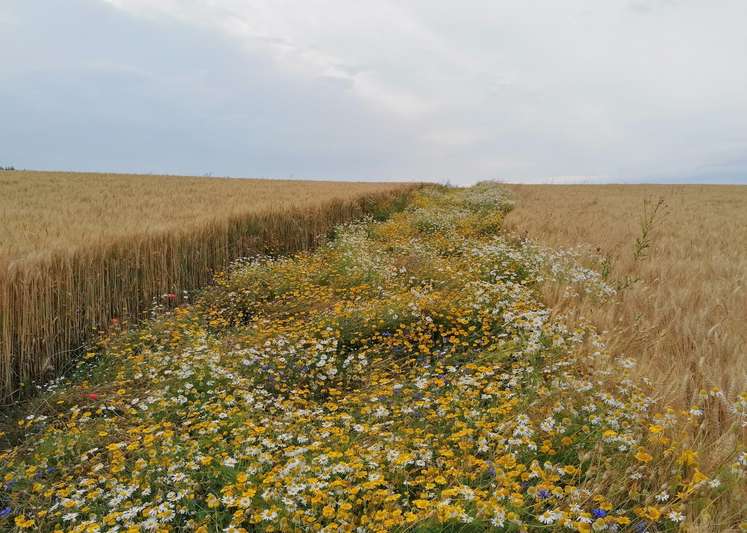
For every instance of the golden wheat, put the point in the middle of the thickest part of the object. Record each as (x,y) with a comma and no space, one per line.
(41,212)
(683,303)
(78,250)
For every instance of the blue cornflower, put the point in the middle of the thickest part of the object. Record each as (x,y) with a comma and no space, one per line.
(543,494)
(5,511)
(599,513)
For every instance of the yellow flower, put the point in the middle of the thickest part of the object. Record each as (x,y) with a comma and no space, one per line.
(643,457)
(688,458)
(24,523)
(599,524)
(421,504)
(698,477)
(328,511)
(212,501)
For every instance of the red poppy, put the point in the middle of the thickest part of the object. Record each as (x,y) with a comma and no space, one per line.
(170,296)
(91,396)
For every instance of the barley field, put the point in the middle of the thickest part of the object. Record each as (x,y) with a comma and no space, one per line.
(431,370)
(78,251)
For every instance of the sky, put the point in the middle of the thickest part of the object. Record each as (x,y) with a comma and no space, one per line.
(516,90)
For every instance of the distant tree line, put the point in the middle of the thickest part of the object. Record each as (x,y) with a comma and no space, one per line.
(7,168)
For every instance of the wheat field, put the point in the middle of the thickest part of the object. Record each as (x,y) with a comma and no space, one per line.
(44,212)
(80,250)
(682,288)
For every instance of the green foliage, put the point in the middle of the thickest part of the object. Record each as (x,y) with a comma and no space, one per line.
(650,218)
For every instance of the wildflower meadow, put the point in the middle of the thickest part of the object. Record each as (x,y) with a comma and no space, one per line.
(404,376)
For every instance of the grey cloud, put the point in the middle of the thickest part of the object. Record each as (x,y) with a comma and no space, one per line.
(157,97)
(643,90)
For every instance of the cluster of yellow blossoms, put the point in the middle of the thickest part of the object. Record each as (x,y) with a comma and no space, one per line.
(403,377)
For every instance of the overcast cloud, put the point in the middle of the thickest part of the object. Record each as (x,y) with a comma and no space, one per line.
(572,90)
